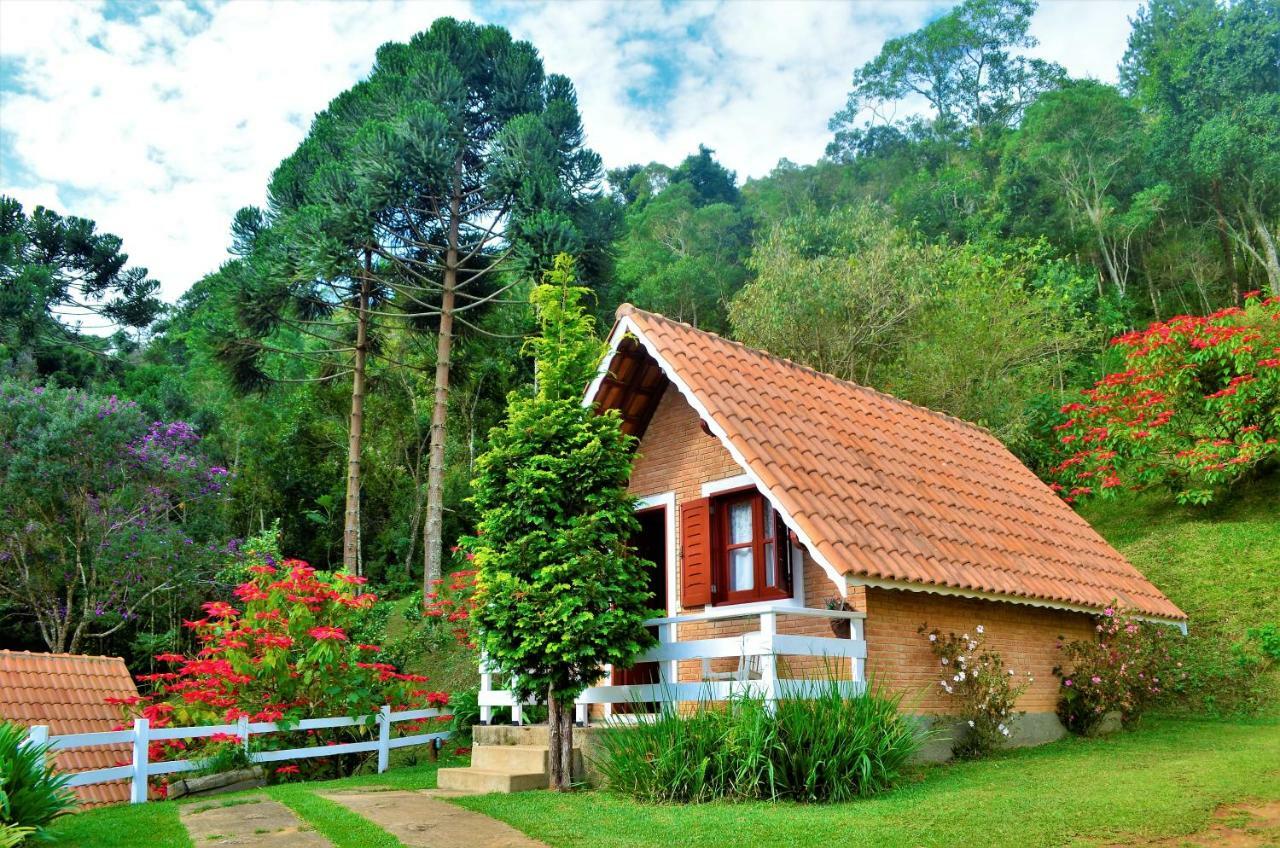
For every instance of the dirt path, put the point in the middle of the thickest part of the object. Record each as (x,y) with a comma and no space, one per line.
(422,820)
(1254,825)
(257,822)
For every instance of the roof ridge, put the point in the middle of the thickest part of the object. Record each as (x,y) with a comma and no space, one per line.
(8,652)
(628,309)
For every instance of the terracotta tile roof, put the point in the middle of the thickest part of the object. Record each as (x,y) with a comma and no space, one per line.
(66,692)
(888,491)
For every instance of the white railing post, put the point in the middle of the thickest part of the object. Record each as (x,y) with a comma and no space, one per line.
(242,731)
(855,635)
(486,686)
(384,737)
(141,742)
(769,662)
(37,735)
(581,713)
(517,710)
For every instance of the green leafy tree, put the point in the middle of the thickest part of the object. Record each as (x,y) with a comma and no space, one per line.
(457,160)
(559,591)
(833,291)
(1206,73)
(57,272)
(964,64)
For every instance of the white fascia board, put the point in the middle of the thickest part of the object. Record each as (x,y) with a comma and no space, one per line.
(952,591)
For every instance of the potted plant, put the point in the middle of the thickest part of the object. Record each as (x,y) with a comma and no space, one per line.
(841,627)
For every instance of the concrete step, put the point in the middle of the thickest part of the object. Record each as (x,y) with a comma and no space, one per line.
(489,780)
(518,758)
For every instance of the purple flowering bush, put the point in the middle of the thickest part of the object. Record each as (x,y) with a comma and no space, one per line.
(1124,669)
(101,510)
(984,691)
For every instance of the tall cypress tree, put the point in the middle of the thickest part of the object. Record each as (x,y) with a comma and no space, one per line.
(421,195)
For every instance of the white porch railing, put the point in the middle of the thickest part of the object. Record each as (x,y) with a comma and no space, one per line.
(142,734)
(757,650)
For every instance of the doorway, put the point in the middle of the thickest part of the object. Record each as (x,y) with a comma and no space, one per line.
(650,543)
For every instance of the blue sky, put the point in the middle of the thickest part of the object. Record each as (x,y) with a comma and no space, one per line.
(160,119)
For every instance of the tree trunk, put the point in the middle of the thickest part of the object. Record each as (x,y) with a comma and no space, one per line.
(355,430)
(1272,263)
(1224,241)
(559,741)
(433,530)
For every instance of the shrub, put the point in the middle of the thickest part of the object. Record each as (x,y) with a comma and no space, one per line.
(827,748)
(1196,409)
(31,794)
(980,685)
(294,650)
(1123,670)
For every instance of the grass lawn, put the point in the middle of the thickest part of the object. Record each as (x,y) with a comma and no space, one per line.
(1163,780)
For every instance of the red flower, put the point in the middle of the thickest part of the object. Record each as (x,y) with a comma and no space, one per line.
(287,770)
(373,648)
(323,634)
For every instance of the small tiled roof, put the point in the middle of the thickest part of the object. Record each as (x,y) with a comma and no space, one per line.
(66,692)
(890,492)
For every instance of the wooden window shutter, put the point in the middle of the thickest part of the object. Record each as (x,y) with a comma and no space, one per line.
(695,553)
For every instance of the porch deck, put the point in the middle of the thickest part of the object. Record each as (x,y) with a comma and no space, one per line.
(756,650)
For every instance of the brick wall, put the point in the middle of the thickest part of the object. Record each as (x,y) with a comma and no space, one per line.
(1026,636)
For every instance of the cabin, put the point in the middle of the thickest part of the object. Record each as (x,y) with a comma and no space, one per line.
(802,526)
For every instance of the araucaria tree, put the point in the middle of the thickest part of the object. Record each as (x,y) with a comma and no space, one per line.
(417,199)
(559,591)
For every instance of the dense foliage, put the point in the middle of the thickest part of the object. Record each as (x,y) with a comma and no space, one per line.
(1123,670)
(102,513)
(1196,409)
(560,593)
(984,692)
(827,748)
(31,794)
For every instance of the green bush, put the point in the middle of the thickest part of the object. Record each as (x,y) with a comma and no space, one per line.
(31,795)
(827,748)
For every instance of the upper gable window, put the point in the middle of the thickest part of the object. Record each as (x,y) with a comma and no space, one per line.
(750,550)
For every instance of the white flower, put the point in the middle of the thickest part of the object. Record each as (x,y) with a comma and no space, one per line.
(979,628)
(1005,731)
(933,637)
(1011,672)
(965,637)
(973,646)
(945,661)
(971,722)
(960,676)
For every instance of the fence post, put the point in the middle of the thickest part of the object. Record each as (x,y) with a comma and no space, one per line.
(855,635)
(37,735)
(384,737)
(242,731)
(486,686)
(141,741)
(769,662)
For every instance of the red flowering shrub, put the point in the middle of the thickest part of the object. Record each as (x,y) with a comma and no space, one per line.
(450,603)
(1123,670)
(287,652)
(1196,409)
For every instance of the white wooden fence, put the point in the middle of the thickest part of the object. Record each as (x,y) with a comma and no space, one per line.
(757,653)
(142,734)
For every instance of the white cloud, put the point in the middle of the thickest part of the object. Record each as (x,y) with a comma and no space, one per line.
(162,126)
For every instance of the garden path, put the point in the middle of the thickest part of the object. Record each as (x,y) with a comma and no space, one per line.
(254,822)
(423,820)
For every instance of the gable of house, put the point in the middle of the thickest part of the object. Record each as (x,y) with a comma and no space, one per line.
(880,491)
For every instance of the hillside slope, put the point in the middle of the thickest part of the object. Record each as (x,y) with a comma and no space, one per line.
(1220,563)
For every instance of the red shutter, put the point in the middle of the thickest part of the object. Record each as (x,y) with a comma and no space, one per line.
(695,553)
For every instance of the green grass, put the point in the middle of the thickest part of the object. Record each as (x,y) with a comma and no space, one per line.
(1163,780)
(1220,564)
(123,826)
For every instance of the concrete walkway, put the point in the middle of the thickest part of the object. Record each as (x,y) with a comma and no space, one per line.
(423,820)
(257,822)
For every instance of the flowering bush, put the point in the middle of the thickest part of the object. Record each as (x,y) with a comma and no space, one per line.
(1197,407)
(1124,669)
(290,650)
(977,681)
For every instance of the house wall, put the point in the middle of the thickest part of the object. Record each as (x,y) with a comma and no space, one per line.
(675,455)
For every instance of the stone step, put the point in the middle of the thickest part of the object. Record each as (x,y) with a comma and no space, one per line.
(517,758)
(489,780)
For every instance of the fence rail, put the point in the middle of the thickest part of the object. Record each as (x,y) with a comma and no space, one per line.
(142,734)
(757,652)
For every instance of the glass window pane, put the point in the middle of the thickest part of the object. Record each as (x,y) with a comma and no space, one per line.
(742,572)
(740,523)
(770,566)
(770,523)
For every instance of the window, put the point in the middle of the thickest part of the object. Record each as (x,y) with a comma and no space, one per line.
(751,560)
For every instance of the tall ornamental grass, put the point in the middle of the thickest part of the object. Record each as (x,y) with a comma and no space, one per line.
(31,794)
(826,748)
